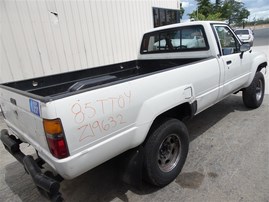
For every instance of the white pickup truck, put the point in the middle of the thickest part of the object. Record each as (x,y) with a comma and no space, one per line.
(77,120)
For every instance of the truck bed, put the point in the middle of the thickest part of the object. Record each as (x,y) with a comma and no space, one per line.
(60,85)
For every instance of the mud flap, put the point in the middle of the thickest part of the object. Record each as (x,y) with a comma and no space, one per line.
(132,169)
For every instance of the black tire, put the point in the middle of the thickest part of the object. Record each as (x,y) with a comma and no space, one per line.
(253,95)
(166,150)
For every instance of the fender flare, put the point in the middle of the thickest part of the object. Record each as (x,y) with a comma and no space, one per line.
(158,105)
(259,62)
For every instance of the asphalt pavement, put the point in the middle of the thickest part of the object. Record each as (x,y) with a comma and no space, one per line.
(261,37)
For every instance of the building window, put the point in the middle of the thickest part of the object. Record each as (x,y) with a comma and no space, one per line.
(163,16)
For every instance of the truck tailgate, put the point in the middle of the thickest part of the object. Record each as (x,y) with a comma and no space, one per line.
(23,117)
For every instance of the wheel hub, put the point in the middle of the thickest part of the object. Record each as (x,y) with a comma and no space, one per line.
(259,90)
(169,153)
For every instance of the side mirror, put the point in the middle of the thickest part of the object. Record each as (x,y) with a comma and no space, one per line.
(243,48)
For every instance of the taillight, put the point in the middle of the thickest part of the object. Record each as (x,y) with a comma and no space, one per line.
(55,138)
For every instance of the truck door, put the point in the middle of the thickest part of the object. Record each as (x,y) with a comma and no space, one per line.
(236,70)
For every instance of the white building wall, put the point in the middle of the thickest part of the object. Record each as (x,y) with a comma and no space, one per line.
(80,34)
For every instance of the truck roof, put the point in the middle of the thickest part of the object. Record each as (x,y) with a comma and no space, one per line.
(185,24)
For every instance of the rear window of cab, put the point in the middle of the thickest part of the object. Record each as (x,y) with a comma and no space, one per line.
(189,38)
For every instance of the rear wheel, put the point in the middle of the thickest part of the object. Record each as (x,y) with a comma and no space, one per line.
(166,150)
(253,95)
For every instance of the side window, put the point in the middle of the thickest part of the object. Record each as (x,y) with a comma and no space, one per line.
(190,38)
(228,42)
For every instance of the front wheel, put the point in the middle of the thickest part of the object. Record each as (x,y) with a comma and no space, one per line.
(166,150)
(253,95)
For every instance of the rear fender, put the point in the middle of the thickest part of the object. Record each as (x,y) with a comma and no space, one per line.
(158,105)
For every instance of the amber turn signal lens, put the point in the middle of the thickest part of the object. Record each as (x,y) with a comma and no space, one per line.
(52,126)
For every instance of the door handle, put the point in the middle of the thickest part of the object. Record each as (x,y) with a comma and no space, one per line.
(228,62)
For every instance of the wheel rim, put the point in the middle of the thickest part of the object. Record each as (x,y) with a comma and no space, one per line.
(169,153)
(259,89)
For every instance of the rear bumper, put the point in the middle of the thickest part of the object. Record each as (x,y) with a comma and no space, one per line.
(47,185)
